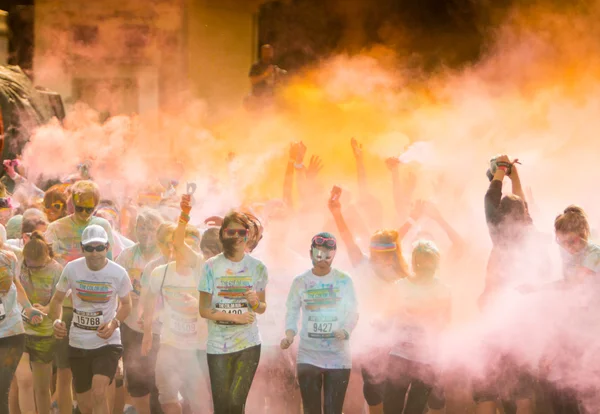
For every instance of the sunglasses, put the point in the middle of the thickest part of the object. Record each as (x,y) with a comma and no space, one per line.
(88,210)
(56,206)
(320,241)
(91,249)
(570,242)
(234,232)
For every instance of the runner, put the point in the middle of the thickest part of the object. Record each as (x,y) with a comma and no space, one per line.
(139,372)
(65,237)
(232,291)
(55,202)
(178,368)
(164,238)
(423,309)
(99,287)
(384,266)
(12,332)
(329,314)
(39,274)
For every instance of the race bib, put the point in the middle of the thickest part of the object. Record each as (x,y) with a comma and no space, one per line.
(2,311)
(322,326)
(235,308)
(184,325)
(90,321)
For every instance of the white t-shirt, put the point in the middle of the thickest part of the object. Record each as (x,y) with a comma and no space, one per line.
(133,260)
(182,328)
(421,316)
(328,303)
(95,300)
(227,281)
(11,322)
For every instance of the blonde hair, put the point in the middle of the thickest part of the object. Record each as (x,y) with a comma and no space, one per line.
(85,187)
(427,248)
(164,232)
(573,220)
(378,248)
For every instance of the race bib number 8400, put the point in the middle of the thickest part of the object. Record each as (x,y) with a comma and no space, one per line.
(322,326)
(90,321)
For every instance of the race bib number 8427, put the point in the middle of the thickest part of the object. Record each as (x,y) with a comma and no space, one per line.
(90,321)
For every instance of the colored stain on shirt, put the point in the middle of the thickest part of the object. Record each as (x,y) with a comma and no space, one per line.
(234,286)
(322,298)
(95,292)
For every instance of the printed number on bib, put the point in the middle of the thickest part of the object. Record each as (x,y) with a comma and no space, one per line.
(183,325)
(90,321)
(231,308)
(322,326)
(2,311)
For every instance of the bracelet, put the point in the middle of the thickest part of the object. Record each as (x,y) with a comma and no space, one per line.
(298,166)
(183,217)
(257,306)
(503,168)
(56,321)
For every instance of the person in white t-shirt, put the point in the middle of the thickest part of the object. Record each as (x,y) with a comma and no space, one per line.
(232,291)
(99,287)
(326,298)
(181,361)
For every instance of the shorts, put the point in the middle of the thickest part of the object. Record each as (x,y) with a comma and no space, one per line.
(373,371)
(40,348)
(139,370)
(182,371)
(504,380)
(62,345)
(85,363)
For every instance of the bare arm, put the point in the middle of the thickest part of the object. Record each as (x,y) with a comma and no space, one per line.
(517,189)
(124,308)
(207,312)
(356,255)
(55,306)
(361,172)
(185,255)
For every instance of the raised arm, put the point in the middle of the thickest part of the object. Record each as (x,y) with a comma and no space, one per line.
(184,253)
(458,244)
(356,255)
(517,189)
(288,179)
(402,192)
(361,172)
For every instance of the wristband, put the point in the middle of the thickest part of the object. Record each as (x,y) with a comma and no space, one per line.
(184,217)
(56,321)
(118,322)
(298,166)
(257,306)
(503,168)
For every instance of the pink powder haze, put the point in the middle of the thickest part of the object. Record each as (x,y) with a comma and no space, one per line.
(534,95)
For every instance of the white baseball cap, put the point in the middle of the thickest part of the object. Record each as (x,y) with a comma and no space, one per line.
(94,234)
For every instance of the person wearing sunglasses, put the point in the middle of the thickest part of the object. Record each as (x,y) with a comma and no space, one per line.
(101,302)
(65,237)
(55,203)
(38,273)
(139,373)
(232,292)
(326,299)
